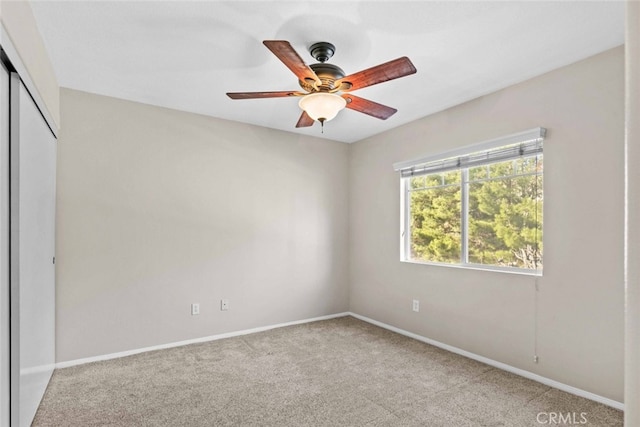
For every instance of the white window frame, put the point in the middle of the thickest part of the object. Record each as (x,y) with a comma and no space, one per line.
(407,168)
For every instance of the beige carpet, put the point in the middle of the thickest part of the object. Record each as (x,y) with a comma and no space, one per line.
(341,372)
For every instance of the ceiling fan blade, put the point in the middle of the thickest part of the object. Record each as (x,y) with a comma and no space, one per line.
(304,120)
(252,95)
(380,73)
(289,57)
(369,107)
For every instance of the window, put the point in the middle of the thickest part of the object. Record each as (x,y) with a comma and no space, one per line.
(480,206)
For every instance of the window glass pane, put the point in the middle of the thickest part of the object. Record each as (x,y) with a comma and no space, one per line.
(452,177)
(417,182)
(529,164)
(497,170)
(479,172)
(435,224)
(505,221)
(434,180)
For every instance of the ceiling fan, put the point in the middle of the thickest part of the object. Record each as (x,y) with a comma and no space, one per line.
(326,88)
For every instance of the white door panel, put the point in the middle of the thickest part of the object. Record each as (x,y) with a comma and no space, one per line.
(33,163)
(4,247)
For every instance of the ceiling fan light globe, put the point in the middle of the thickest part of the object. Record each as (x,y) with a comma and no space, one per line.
(322,105)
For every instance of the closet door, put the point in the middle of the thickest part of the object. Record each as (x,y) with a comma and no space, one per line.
(33,171)
(4,247)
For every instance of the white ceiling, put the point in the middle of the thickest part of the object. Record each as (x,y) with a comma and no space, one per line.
(186,55)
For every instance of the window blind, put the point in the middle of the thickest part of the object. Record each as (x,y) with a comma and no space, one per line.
(523,144)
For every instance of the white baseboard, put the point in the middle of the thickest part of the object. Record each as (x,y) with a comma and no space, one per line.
(499,365)
(490,362)
(192,341)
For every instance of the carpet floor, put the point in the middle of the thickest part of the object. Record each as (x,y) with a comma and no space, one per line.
(339,372)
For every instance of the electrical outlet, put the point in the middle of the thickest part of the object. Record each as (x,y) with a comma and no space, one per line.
(416,305)
(535,359)
(195,309)
(224,304)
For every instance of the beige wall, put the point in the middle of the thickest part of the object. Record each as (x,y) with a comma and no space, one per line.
(158,209)
(579,324)
(17,19)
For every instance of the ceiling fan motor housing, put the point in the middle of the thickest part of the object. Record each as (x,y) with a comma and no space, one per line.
(327,73)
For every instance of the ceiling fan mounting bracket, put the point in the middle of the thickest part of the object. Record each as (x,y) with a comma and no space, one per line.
(322,51)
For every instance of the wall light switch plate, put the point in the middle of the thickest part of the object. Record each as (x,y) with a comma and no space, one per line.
(416,305)
(224,304)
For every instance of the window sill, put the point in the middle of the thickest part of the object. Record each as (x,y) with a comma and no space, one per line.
(509,270)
